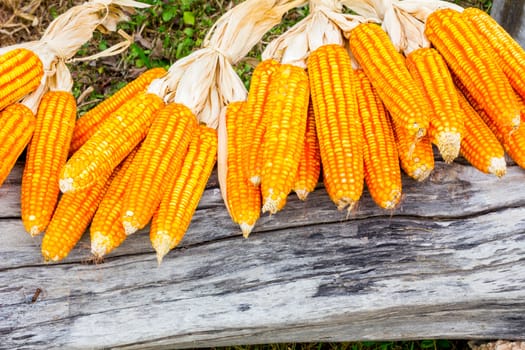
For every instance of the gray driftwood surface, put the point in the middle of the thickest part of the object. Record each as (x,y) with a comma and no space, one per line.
(511,15)
(448,263)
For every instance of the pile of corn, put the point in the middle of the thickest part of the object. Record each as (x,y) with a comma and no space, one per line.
(339,107)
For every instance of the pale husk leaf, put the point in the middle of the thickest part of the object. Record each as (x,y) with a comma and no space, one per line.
(326,24)
(205,81)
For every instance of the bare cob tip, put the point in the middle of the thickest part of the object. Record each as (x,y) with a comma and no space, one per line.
(301,194)
(255,180)
(48,258)
(129,227)
(498,167)
(449,144)
(395,196)
(162,244)
(271,205)
(66,185)
(421,173)
(32,228)
(99,244)
(246,229)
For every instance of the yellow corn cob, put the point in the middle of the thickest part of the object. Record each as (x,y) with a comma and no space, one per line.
(46,155)
(71,218)
(381,160)
(287,105)
(509,54)
(244,199)
(417,160)
(90,122)
(430,71)
(337,123)
(20,74)
(179,202)
(387,71)
(17,123)
(479,146)
(162,152)
(254,120)
(513,143)
(117,136)
(106,229)
(476,67)
(310,162)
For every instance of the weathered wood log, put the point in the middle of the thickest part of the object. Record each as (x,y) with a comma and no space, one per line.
(448,263)
(511,15)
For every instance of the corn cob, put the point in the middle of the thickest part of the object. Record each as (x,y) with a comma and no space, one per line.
(162,152)
(106,229)
(509,54)
(179,202)
(430,71)
(17,123)
(479,146)
(254,120)
(287,105)
(46,155)
(417,160)
(70,219)
(467,57)
(513,143)
(310,162)
(381,160)
(244,199)
(20,74)
(337,123)
(91,121)
(117,136)
(387,71)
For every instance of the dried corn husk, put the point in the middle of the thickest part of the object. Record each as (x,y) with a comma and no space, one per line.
(72,29)
(326,24)
(404,21)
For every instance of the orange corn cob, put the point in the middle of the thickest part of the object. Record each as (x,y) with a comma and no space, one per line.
(162,152)
(20,74)
(287,105)
(381,160)
(46,155)
(479,146)
(254,120)
(417,160)
(106,229)
(430,71)
(244,199)
(117,136)
(475,67)
(91,121)
(387,71)
(71,218)
(337,122)
(17,123)
(513,143)
(509,54)
(310,162)
(179,202)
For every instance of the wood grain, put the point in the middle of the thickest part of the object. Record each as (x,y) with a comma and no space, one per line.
(450,262)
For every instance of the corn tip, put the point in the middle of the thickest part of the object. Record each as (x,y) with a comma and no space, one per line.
(302,194)
(162,244)
(129,228)
(99,244)
(246,229)
(395,196)
(344,202)
(66,185)
(498,166)
(449,144)
(35,231)
(255,180)
(421,173)
(271,205)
